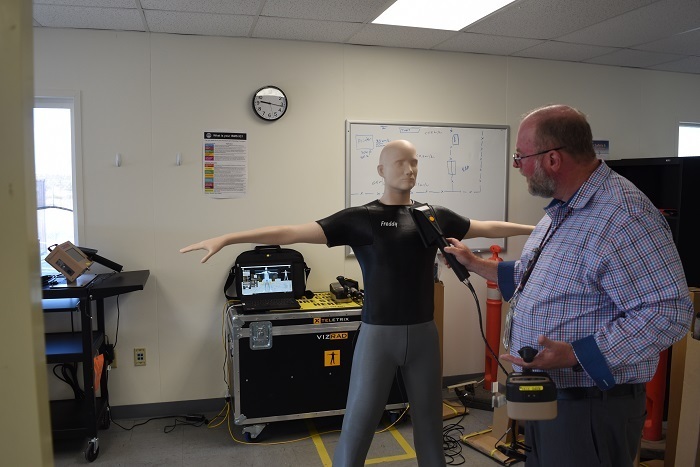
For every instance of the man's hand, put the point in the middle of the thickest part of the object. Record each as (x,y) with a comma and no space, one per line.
(460,251)
(213,245)
(485,268)
(556,354)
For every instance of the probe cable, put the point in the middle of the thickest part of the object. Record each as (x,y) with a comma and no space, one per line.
(467,283)
(481,325)
(452,433)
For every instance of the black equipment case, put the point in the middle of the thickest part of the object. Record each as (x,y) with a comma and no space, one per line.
(286,365)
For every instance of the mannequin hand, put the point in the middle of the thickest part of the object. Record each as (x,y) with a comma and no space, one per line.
(212,246)
(556,354)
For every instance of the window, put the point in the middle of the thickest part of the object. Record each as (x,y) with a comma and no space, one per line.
(57,169)
(688,139)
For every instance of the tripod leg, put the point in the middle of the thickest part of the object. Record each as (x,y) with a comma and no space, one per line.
(515,449)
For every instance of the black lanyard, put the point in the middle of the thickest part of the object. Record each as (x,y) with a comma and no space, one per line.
(531,264)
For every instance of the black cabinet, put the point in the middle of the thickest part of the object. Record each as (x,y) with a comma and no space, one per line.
(673,185)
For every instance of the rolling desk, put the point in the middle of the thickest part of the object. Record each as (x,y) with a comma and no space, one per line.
(75,417)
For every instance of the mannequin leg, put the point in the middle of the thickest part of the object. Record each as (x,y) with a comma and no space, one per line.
(423,379)
(374,364)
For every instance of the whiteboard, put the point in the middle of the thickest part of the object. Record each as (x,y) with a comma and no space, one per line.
(461,167)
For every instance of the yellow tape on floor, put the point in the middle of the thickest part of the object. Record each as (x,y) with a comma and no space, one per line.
(409,453)
(318,442)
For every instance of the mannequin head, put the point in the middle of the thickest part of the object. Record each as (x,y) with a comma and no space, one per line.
(398,166)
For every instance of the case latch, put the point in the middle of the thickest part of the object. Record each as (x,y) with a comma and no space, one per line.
(260,335)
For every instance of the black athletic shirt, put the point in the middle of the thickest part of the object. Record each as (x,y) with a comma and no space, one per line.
(397,269)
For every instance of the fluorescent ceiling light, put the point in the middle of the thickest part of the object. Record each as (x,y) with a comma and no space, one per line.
(450,15)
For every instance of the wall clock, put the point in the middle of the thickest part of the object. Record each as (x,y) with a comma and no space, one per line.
(270,103)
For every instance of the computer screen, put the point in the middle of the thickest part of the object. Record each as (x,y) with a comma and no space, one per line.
(271,278)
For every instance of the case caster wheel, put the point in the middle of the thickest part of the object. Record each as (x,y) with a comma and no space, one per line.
(92,450)
(251,432)
(393,416)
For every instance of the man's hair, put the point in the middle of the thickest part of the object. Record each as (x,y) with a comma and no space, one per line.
(561,125)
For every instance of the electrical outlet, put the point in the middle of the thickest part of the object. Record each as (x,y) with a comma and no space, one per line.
(140,357)
(114,361)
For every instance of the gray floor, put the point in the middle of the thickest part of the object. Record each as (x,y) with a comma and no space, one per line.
(280,444)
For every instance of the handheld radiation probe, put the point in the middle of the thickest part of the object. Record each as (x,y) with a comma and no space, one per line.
(431,234)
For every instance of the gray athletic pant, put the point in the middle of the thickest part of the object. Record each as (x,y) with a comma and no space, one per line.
(378,353)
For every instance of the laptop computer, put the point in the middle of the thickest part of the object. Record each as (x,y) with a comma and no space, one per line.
(266,287)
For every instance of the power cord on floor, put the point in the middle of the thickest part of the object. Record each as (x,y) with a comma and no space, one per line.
(195,420)
(451,435)
(453,432)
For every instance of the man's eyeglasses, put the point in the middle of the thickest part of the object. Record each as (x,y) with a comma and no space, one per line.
(517,157)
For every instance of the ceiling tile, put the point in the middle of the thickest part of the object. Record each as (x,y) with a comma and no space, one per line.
(548,19)
(88,18)
(636,33)
(357,11)
(204,24)
(231,7)
(651,23)
(399,36)
(484,44)
(633,58)
(686,43)
(304,29)
(553,50)
(686,65)
(93,3)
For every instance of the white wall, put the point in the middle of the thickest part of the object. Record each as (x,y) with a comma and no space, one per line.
(150,96)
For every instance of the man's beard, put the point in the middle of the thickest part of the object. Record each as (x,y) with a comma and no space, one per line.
(540,184)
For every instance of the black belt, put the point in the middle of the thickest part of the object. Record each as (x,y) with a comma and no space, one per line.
(619,390)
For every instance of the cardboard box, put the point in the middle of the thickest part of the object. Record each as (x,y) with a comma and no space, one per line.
(683,432)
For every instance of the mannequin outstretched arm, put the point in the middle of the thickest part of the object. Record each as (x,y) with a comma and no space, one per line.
(496,229)
(277,235)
